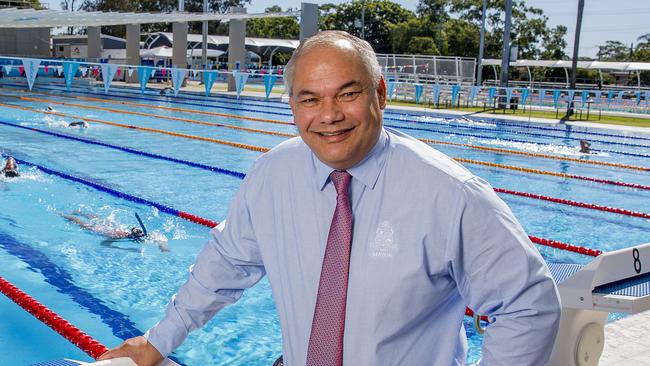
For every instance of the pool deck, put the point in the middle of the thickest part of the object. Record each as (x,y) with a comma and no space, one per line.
(627,341)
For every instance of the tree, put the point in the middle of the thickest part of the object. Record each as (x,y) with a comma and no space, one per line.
(554,44)
(286,28)
(379,15)
(613,51)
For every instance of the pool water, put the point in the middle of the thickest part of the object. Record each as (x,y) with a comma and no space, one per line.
(117,290)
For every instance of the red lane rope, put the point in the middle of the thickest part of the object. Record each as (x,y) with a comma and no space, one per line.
(565,246)
(592,206)
(73,334)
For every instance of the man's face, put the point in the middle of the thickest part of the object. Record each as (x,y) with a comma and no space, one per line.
(335,106)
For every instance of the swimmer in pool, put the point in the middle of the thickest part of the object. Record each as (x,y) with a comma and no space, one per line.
(166,91)
(585,146)
(82,124)
(11,168)
(101,228)
(49,108)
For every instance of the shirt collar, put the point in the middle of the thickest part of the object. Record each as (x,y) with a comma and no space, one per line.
(366,171)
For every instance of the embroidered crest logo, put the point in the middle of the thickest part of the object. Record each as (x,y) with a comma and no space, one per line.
(385,244)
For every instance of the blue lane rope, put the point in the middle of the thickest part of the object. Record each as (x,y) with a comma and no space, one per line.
(103,188)
(500,123)
(129,150)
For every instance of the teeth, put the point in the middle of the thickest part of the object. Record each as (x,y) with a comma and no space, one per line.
(331,133)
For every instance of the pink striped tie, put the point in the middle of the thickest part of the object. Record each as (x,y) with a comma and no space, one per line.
(326,339)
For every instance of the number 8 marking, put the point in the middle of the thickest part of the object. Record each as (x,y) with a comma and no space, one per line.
(637,260)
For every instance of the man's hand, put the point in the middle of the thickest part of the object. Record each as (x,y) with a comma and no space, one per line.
(138,349)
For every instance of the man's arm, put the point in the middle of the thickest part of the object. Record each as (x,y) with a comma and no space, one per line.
(502,275)
(229,263)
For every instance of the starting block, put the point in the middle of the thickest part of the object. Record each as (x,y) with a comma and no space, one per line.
(617,281)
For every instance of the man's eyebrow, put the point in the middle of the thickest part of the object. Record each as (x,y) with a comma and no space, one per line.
(306,92)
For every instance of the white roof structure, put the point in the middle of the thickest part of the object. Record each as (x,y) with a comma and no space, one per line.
(252,43)
(30,18)
(593,65)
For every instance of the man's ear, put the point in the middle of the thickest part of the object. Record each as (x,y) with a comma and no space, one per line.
(381,93)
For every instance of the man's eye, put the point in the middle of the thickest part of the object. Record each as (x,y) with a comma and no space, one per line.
(349,96)
(309,101)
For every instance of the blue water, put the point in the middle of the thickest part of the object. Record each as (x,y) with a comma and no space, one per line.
(117,291)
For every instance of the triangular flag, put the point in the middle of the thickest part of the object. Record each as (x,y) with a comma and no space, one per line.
(435,93)
(455,89)
(208,80)
(524,96)
(195,72)
(164,72)
(108,72)
(556,97)
(130,71)
(178,75)
(47,69)
(570,95)
(240,81)
(69,71)
(84,71)
(143,77)
(8,69)
(153,72)
(269,82)
(119,72)
(391,89)
(418,92)
(31,70)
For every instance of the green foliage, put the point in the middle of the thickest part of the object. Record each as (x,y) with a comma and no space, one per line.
(613,51)
(287,27)
(378,17)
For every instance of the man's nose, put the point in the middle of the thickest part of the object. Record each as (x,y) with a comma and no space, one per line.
(331,111)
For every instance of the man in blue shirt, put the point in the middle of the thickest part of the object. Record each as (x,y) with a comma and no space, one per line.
(428,237)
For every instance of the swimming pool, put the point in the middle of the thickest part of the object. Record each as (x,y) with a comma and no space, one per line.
(174,151)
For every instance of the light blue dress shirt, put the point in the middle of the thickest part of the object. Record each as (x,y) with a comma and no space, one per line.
(429,239)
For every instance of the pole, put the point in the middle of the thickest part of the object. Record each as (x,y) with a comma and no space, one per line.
(363,20)
(505,60)
(574,62)
(576,44)
(204,41)
(181,6)
(479,76)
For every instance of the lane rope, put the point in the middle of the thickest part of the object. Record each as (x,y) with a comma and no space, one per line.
(264,149)
(251,101)
(413,128)
(242,175)
(509,151)
(73,334)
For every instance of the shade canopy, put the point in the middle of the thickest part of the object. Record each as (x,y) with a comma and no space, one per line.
(593,65)
(30,18)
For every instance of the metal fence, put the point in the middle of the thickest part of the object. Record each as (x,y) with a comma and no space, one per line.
(428,69)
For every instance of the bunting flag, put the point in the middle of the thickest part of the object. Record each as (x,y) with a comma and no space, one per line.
(491,92)
(269,82)
(418,92)
(108,72)
(391,89)
(509,92)
(435,94)
(473,93)
(455,89)
(47,68)
(130,71)
(620,96)
(597,96)
(8,69)
(524,96)
(240,81)
(119,72)
(570,95)
(30,66)
(153,72)
(638,97)
(84,71)
(164,72)
(542,95)
(583,98)
(195,72)
(209,78)
(21,70)
(178,75)
(647,98)
(143,77)
(556,97)
(610,96)
(69,71)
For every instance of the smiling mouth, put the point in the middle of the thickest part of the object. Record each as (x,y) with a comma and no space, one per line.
(335,133)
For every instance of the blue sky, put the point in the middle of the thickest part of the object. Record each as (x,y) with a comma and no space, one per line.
(622,20)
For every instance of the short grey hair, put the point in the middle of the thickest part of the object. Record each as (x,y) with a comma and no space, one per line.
(330,39)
